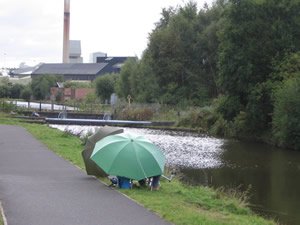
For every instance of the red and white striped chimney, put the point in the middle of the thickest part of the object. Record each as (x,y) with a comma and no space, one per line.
(66,44)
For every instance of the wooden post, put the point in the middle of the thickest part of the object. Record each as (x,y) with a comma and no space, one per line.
(129,99)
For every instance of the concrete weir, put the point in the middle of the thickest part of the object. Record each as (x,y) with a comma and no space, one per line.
(94,122)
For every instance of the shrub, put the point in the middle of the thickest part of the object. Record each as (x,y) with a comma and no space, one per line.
(202,118)
(221,127)
(139,114)
(228,106)
(7,107)
(286,117)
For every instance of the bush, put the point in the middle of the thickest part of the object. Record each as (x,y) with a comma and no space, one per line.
(105,86)
(240,126)
(202,118)
(286,117)
(228,106)
(26,93)
(139,114)
(7,107)
(221,127)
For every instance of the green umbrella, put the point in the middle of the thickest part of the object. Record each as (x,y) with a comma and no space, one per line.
(90,166)
(128,156)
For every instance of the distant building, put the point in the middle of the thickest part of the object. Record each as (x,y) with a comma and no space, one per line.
(70,93)
(114,64)
(71,71)
(75,52)
(82,71)
(94,55)
(23,71)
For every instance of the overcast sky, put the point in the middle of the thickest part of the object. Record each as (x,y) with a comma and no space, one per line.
(31,31)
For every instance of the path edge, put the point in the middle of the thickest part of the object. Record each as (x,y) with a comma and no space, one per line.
(2,214)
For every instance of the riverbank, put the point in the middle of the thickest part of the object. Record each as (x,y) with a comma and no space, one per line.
(175,202)
(1,215)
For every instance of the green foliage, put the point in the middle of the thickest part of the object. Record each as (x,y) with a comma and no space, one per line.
(289,67)
(123,87)
(59,96)
(256,42)
(1,220)
(4,81)
(26,93)
(259,108)
(91,98)
(201,118)
(6,107)
(5,88)
(138,81)
(140,114)
(286,119)
(229,106)
(179,63)
(105,86)
(10,90)
(255,34)
(16,90)
(41,85)
(221,127)
(4,91)
(182,53)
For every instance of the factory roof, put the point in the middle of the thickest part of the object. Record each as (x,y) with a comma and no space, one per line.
(70,68)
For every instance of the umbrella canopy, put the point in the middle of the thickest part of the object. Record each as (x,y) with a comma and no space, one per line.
(90,166)
(128,156)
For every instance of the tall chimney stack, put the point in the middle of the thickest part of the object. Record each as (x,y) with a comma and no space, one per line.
(66,44)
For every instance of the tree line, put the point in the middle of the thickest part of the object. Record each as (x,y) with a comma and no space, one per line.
(242,56)
(238,59)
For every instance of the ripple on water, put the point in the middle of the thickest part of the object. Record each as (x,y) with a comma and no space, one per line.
(180,148)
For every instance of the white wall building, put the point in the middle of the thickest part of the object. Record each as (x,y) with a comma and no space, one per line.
(75,52)
(94,55)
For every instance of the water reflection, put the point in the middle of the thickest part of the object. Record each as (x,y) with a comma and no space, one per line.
(273,174)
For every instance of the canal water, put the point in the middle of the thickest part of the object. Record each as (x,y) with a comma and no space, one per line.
(271,175)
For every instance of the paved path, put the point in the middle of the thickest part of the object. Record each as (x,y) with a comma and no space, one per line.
(39,188)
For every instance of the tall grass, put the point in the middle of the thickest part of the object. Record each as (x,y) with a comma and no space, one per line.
(1,220)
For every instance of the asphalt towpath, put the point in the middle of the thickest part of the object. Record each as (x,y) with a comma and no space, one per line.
(37,187)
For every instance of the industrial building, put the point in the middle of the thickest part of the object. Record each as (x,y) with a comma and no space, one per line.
(82,71)
(75,51)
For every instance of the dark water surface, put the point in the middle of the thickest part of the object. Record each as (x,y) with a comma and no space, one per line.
(272,174)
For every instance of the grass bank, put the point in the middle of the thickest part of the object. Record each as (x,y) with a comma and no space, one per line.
(175,202)
(1,220)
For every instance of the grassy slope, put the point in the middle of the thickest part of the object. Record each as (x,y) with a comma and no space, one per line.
(1,220)
(175,202)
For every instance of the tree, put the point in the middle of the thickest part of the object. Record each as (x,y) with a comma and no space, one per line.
(105,86)
(16,90)
(5,87)
(286,116)
(255,36)
(182,53)
(147,88)
(286,119)
(41,85)
(123,86)
(169,50)
(26,94)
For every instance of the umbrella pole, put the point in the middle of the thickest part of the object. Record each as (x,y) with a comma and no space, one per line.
(168,178)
